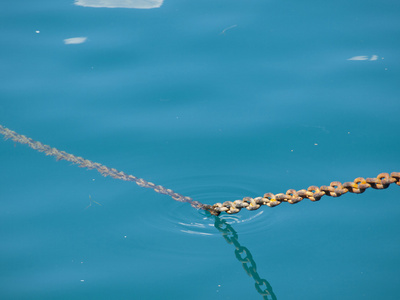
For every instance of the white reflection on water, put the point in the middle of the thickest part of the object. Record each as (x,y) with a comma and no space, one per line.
(363,57)
(75,40)
(232,219)
(195,232)
(120,3)
(207,225)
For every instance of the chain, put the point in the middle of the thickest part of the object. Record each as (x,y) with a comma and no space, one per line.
(104,170)
(314,193)
(244,256)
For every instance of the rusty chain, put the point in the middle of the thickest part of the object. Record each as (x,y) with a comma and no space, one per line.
(244,256)
(314,193)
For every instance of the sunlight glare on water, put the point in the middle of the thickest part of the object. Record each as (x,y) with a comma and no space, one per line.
(143,4)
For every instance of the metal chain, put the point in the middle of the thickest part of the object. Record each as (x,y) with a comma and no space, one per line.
(104,170)
(314,193)
(244,256)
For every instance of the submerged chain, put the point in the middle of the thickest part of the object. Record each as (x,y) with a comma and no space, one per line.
(104,170)
(314,193)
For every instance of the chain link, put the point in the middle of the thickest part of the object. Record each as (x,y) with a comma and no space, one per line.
(314,193)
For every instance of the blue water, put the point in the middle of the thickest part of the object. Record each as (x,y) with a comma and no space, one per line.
(217,100)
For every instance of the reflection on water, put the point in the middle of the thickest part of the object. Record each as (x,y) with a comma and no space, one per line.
(75,40)
(203,227)
(145,4)
(244,256)
(363,57)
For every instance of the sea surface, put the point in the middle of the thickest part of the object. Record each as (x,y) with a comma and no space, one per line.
(216,100)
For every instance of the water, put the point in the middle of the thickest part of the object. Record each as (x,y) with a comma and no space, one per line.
(216,100)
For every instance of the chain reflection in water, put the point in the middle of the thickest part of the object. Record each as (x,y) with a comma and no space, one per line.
(244,256)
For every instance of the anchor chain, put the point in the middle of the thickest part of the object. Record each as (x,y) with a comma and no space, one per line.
(314,193)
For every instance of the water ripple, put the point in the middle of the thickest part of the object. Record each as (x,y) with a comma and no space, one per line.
(182,218)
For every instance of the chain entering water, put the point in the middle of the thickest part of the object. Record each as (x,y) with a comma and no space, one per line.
(314,193)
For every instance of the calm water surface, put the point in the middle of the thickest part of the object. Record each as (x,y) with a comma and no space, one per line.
(217,100)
